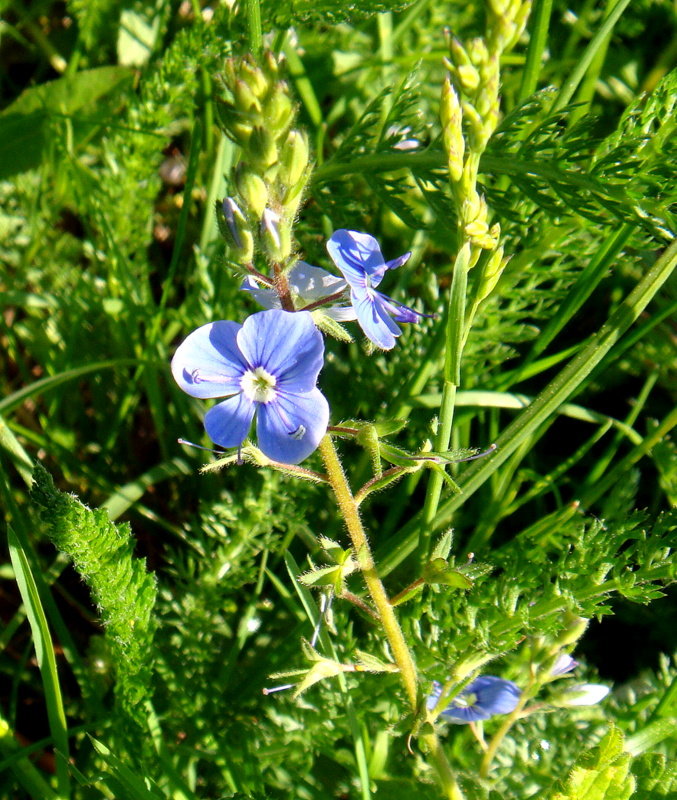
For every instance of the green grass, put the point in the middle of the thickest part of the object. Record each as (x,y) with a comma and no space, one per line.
(121,679)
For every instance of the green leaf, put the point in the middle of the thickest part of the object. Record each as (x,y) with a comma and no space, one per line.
(44,652)
(123,590)
(25,125)
(601,774)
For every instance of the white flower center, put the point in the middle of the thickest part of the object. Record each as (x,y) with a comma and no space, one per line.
(258,385)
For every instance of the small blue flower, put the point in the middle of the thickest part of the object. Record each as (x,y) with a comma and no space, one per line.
(359,258)
(267,368)
(307,285)
(481,699)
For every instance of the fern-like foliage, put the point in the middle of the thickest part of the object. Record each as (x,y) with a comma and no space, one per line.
(559,168)
(327,12)
(123,590)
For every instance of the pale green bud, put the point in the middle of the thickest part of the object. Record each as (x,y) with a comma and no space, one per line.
(280,111)
(244,98)
(262,147)
(477,50)
(574,628)
(275,236)
(294,160)
(271,66)
(458,53)
(252,189)
(255,79)
(235,228)
(475,123)
(468,77)
(492,273)
(519,23)
(451,117)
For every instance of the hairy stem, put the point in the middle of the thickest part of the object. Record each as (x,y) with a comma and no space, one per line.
(351,515)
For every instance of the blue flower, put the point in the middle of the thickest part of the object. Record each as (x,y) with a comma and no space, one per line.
(481,699)
(359,258)
(267,368)
(307,285)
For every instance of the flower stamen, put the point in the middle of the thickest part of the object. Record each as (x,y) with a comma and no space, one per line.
(258,385)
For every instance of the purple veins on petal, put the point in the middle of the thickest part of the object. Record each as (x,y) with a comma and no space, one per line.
(267,368)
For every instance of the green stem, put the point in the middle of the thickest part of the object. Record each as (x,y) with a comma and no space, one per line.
(445,775)
(537,42)
(571,84)
(253,14)
(351,516)
(455,329)
(501,733)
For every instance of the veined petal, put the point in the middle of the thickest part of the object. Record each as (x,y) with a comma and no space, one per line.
(311,283)
(228,423)
(291,426)
(263,295)
(358,256)
(399,261)
(208,363)
(399,311)
(373,318)
(287,345)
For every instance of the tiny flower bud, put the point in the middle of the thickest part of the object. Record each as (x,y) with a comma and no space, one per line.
(451,117)
(584,694)
(254,78)
(262,147)
(458,53)
(240,238)
(477,50)
(468,77)
(252,189)
(294,159)
(275,235)
(574,628)
(280,111)
(245,99)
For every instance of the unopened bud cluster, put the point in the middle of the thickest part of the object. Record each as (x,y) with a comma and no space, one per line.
(470,110)
(266,187)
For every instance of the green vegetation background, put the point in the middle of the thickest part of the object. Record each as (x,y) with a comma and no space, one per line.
(111,160)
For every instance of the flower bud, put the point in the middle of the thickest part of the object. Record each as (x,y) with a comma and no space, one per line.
(468,77)
(253,76)
(252,189)
(262,147)
(275,236)
(574,628)
(584,694)
(280,111)
(477,50)
(458,53)
(451,117)
(234,227)
(245,99)
(294,159)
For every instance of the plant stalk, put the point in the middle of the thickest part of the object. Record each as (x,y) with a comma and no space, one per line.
(386,613)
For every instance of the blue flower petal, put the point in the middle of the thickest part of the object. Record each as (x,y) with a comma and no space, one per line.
(358,256)
(374,319)
(228,423)
(287,345)
(492,696)
(399,261)
(290,427)
(208,362)
(399,311)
